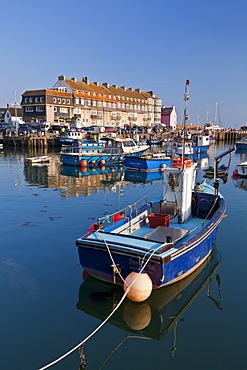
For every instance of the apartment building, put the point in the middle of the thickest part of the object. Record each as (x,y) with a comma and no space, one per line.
(86,104)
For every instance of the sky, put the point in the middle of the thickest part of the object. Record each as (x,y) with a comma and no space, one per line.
(152,45)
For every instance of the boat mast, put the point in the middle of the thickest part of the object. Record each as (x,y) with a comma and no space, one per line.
(186,98)
(216,113)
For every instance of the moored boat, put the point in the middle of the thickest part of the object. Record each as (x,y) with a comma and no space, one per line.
(40,159)
(197,144)
(160,241)
(167,238)
(241,170)
(112,153)
(70,136)
(242,144)
(147,162)
(221,171)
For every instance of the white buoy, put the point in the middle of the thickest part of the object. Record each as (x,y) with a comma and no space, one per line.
(137,316)
(142,287)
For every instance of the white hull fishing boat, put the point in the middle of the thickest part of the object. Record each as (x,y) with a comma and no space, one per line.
(240,170)
(38,160)
(151,244)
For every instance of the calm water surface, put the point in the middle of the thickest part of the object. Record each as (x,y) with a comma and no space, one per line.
(46,309)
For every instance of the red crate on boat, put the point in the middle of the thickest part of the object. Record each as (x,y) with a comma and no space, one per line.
(158,219)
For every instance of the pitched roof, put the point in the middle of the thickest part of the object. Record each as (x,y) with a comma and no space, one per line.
(46,92)
(166,111)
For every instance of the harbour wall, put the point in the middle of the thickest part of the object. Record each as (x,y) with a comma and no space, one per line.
(45,140)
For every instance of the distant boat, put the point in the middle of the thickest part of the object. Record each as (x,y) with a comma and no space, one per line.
(241,170)
(242,144)
(197,144)
(114,151)
(70,136)
(41,159)
(221,171)
(147,162)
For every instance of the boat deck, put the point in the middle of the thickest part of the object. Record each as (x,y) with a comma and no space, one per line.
(177,231)
(149,239)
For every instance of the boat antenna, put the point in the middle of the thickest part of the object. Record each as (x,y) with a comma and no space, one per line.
(186,98)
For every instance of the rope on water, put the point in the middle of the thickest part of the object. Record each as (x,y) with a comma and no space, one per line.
(100,326)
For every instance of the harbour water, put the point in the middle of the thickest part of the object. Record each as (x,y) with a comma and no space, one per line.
(46,309)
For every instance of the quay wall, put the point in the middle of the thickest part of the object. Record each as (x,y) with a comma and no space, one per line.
(45,140)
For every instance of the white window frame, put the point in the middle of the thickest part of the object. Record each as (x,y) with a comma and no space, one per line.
(40,108)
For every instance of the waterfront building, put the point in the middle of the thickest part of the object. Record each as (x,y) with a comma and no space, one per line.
(10,115)
(169,117)
(47,106)
(91,104)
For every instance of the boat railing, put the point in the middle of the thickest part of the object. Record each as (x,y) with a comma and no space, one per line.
(128,213)
(94,150)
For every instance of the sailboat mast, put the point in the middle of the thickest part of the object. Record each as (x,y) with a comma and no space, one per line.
(216,113)
(186,98)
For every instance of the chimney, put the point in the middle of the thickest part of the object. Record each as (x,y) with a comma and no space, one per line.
(139,90)
(115,86)
(124,88)
(106,84)
(74,79)
(131,89)
(8,106)
(96,83)
(152,94)
(86,80)
(61,78)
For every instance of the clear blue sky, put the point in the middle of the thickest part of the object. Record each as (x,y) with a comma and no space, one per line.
(141,44)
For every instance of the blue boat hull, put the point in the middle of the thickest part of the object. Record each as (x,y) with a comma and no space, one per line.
(145,163)
(241,146)
(163,269)
(95,159)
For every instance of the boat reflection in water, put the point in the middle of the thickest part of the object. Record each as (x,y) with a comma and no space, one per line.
(87,171)
(153,318)
(142,176)
(240,182)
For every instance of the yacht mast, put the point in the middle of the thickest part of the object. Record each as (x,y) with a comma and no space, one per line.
(186,98)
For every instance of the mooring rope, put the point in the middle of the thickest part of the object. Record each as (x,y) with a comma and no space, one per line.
(100,326)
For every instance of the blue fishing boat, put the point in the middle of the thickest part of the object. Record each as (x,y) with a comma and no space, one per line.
(196,144)
(113,152)
(151,244)
(147,162)
(242,144)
